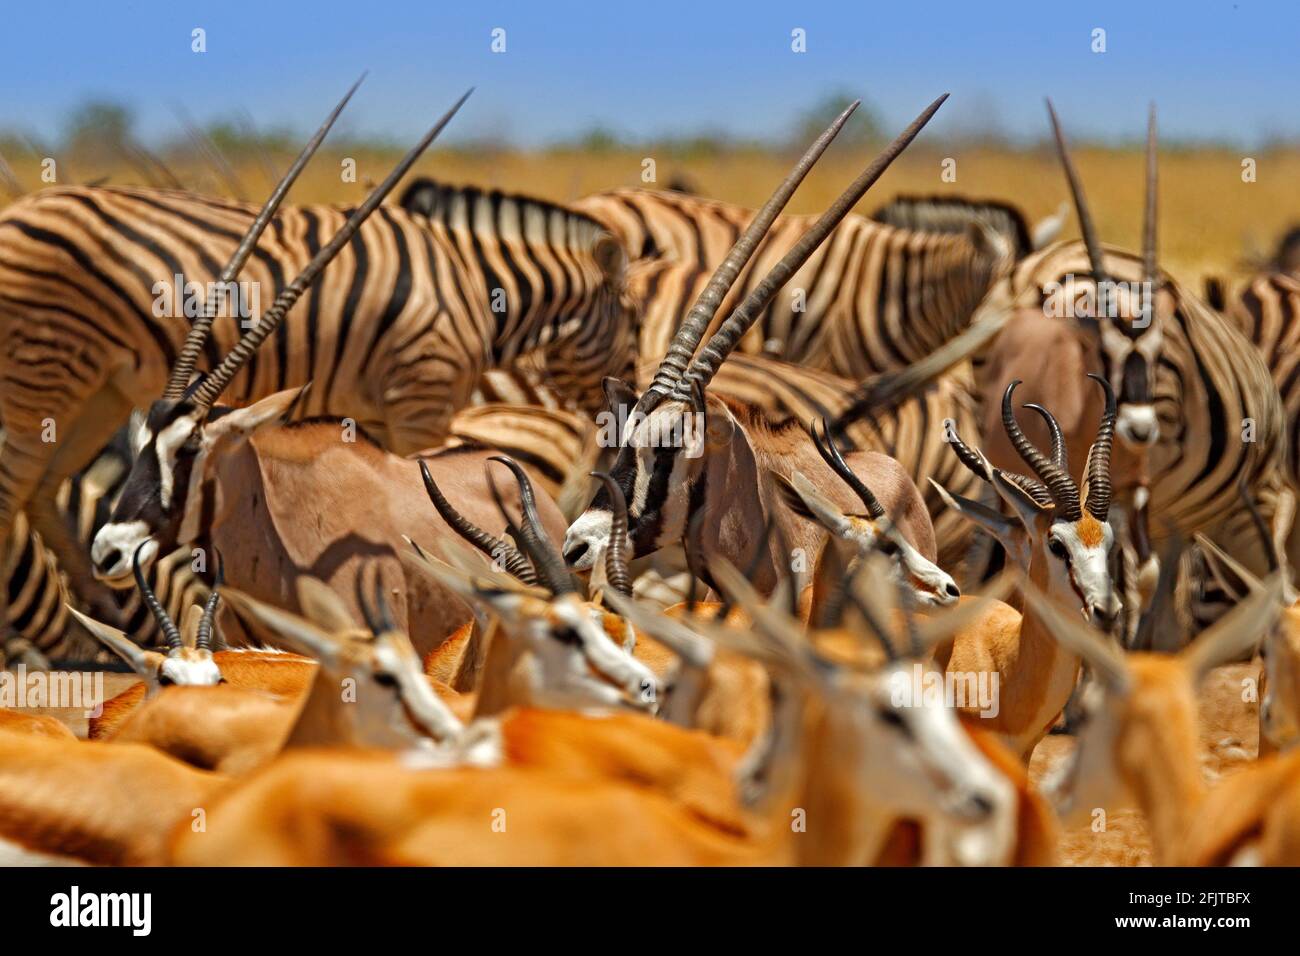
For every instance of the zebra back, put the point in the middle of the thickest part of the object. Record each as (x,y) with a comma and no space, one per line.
(872,298)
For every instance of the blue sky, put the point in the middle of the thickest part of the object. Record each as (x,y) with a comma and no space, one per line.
(1218,70)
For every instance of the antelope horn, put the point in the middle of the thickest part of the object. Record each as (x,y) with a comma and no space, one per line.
(738,323)
(1086,225)
(379,618)
(1060,457)
(214,384)
(1097,475)
(1059,484)
(1149,268)
(692,329)
(203,637)
(616,554)
(171,633)
(547,561)
(202,327)
(831,455)
(495,548)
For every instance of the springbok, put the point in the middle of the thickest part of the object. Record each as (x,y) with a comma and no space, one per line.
(844,759)
(1139,743)
(683,451)
(1065,548)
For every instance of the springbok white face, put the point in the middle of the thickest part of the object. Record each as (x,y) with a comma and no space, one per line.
(1078,557)
(183,665)
(394,704)
(926,583)
(662,459)
(915,757)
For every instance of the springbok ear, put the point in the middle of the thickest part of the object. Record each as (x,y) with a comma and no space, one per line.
(302,636)
(1232,576)
(240,423)
(1239,630)
(322,605)
(1009,533)
(142,662)
(1105,658)
(807,502)
(1025,507)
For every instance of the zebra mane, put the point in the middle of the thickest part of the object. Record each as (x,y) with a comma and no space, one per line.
(440,201)
(949,214)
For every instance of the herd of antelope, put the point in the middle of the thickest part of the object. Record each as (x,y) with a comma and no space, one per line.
(643,531)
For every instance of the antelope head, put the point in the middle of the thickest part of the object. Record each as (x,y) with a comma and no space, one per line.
(395,704)
(578,662)
(170,441)
(676,442)
(1064,545)
(1128,326)
(927,584)
(188,658)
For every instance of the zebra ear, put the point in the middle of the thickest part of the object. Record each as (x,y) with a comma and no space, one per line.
(988,240)
(611,258)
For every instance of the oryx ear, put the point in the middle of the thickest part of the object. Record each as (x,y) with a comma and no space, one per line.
(618,394)
(1009,532)
(1048,229)
(1237,631)
(142,662)
(1069,630)
(807,502)
(300,634)
(1025,507)
(720,425)
(135,431)
(240,423)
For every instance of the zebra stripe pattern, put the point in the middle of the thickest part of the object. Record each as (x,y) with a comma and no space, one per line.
(873,298)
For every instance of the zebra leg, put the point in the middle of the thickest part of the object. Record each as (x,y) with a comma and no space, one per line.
(22,463)
(77,447)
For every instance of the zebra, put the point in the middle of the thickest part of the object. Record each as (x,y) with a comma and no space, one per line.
(395,336)
(874,298)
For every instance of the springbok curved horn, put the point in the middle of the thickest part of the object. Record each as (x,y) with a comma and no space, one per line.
(692,329)
(738,323)
(203,636)
(202,326)
(495,548)
(616,553)
(1062,488)
(1097,474)
(1149,268)
(1086,225)
(171,633)
(831,455)
(215,384)
(547,560)
(1059,455)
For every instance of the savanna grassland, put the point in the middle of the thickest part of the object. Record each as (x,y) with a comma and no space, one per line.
(1211,221)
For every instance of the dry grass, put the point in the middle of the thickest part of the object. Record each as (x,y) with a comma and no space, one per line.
(1210,220)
